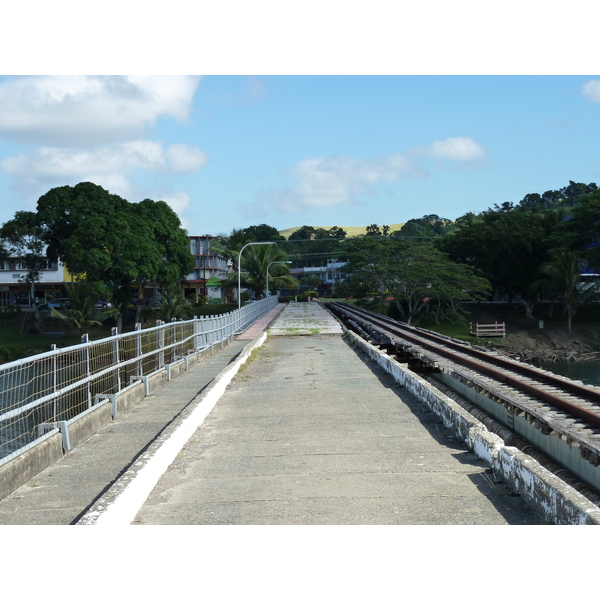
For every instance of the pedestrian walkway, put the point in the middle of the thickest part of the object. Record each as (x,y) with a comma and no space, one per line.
(62,493)
(305,318)
(308,432)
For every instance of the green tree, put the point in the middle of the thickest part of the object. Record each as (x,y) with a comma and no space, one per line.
(175,308)
(166,252)
(422,279)
(102,237)
(306,232)
(264,233)
(21,240)
(81,311)
(310,281)
(256,260)
(337,232)
(373,231)
(428,226)
(307,242)
(564,282)
(229,247)
(582,229)
(419,278)
(507,247)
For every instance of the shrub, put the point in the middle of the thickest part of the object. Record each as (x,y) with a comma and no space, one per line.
(10,311)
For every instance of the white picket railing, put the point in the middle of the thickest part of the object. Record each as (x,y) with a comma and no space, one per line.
(62,383)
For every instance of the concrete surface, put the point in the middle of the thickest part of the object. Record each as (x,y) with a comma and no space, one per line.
(60,494)
(308,432)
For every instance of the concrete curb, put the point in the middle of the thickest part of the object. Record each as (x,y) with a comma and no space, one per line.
(120,504)
(551,497)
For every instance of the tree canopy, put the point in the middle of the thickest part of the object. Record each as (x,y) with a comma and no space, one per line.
(101,237)
(417,277)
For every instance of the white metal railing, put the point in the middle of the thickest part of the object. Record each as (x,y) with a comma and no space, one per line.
(60,384)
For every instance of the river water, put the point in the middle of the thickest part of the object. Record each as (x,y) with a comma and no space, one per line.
(587,371)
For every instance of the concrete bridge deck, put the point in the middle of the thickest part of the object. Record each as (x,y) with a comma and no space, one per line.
(308,432)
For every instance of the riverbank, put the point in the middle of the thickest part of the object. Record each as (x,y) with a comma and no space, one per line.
(550,346)
(542,339)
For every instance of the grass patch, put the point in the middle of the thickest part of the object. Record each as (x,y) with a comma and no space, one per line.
(253,356)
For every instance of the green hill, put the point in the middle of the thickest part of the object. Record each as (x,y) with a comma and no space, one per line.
(350,231)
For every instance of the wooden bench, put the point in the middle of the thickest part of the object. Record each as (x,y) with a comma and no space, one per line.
(487,329)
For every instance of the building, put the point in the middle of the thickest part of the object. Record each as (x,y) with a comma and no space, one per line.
(208,265)
(15,290)
(329,275)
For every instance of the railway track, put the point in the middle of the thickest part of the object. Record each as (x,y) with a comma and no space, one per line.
(562,415)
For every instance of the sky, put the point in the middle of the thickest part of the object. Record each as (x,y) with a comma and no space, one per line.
(228,151)
(318,113)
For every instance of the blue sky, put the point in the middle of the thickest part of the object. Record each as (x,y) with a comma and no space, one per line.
(321,113)
(232,151)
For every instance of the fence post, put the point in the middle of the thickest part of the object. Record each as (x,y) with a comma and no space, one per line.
(115,359)
(85,338)
(138,349)
(53,378)
(160,343)
(221,332)
(182,337)
(196,330)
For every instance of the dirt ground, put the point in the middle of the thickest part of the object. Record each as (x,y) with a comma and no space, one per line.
(546,338)
(550,345)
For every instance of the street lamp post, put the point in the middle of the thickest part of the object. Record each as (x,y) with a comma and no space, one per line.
(240,268)
(273,263)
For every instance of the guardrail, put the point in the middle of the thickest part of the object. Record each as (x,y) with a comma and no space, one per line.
(42,393)
(487,329)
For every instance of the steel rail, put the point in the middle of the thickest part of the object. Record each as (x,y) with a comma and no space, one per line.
(407,332)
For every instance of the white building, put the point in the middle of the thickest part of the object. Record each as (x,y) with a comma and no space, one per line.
(14,288)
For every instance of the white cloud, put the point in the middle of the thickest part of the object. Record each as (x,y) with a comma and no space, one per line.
(72,110)
(456,148)
(340,180)
(178,201)
(184,158)
(591,90)
(95,128)
(49,164)
(326,182)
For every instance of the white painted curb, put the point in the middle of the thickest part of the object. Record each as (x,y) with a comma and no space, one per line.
(133,489)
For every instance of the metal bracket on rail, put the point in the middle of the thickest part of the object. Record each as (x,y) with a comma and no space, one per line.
(113,402)
(184,358)
(144,378)
(62,426)
(64,430)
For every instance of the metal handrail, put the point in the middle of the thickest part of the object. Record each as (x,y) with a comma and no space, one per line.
(35,382)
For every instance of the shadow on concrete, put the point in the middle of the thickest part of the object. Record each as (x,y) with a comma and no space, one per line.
(509,504)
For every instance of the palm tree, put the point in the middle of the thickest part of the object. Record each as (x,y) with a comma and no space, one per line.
(82,312)
(175,308)
(229,247)
(255,261)
(564,281)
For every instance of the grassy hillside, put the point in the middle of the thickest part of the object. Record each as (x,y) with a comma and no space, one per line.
(351,231)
